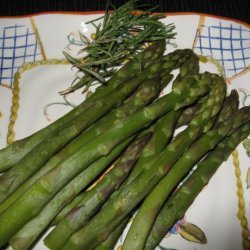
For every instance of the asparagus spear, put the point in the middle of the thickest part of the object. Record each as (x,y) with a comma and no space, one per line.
(180,201)
(110,216)
(94,198)
(116,209)
(166,125)
(177,58)
(153,146)
(171,180)
(130,106)
(112,239)
(189,67)
(16,151)
(148,91)
(31,202)
(230,105)
(161,136)
(38,156)
(188,113)
(162,133)
(209,109)
(25,237)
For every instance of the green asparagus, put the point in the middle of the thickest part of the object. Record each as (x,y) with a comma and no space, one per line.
(162,133)
(230,105)
(31,202)
(165,126)
(179,57)
(38,156)
(148,91)
(209,109)
(116,209)
(207,142)
(110,216)
(25,237)
(180,201)
(112,239)
(16,151)
(94,198)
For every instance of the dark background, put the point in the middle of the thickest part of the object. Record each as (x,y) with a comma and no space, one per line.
(237,9)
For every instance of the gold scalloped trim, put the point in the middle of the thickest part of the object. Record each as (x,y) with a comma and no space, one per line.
(201,24)
(16,90)
(241,203)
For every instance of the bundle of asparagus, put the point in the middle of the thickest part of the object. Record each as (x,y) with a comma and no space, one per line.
(61,175)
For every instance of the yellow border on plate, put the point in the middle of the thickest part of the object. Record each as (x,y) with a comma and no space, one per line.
(16,90)
(241,202)
(35,30)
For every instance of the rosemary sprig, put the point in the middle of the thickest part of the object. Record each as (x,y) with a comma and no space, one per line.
(119,34)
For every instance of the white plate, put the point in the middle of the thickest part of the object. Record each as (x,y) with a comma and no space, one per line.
(44,36)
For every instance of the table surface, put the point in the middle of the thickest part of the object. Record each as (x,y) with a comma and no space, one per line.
(236,9)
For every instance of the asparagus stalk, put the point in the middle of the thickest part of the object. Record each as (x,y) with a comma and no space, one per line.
(165,126)
(112,239)
(31,202)
(148,91)
(189,67)
(16,151)
(207,142)
(230,106)
(209,109)
(38,156)
(162,132)
(148,149)
(177,58)
(116,209)
(25,237)
(181,200)
(162,135)
(114,212)
(160,138)
(93,199)
(188,114)
(28,234)
(128,108)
